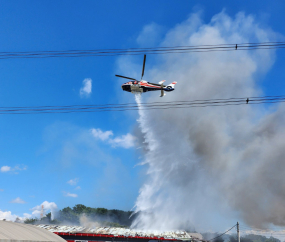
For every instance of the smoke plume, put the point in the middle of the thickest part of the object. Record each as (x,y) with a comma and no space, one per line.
(213,161)
(87,222)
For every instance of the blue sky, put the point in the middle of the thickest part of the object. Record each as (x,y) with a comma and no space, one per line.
(56,157)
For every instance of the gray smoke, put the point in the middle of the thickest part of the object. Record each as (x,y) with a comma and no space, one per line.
(205,163)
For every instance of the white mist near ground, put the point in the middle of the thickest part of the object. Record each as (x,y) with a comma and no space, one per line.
(87,222)
(205,163)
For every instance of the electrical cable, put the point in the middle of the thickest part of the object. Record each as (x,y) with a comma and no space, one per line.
(142,106)
(136,107)
(223,233)
(140,51)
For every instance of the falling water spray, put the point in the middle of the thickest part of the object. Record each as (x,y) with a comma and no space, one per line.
(208,166)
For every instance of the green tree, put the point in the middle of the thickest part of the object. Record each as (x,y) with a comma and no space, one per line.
(79,208)
(102,215)
(102,211)
(30,220)
(220,239)
(260,238)
(48,215)
(68,215)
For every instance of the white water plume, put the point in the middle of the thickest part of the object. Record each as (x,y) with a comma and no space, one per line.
(206,164)
(145,128)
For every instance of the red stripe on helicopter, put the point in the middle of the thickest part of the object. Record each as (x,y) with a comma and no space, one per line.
(148,85)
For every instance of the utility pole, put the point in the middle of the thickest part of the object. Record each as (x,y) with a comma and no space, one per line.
(238,236)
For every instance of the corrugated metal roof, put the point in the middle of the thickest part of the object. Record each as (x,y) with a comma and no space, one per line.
(10,231)
(179,235)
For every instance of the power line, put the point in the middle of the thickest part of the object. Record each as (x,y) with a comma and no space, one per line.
(140,51)
(223,233)
(142,106)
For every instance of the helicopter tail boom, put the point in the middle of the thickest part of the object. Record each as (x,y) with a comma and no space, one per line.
(172,84)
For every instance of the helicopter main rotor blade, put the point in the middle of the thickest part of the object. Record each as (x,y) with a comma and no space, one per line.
(126,77)
(143,66)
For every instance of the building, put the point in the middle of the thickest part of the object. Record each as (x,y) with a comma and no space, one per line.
(10,231)
(79,233)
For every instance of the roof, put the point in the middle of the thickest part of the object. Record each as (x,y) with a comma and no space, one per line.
(119,232)
(25,232)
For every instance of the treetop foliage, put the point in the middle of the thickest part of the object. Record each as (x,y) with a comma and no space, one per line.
(252,238)
(105,217)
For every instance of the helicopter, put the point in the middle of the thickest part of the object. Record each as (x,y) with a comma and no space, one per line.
(135,86)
